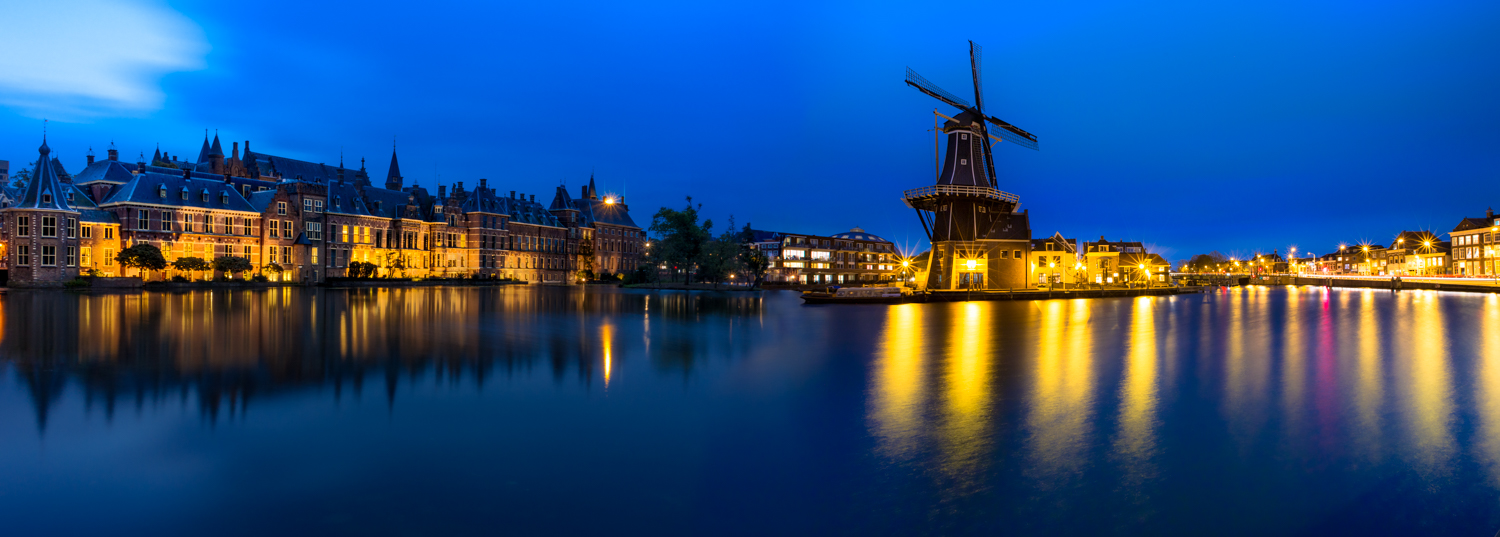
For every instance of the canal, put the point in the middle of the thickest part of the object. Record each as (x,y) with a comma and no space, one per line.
(549,410)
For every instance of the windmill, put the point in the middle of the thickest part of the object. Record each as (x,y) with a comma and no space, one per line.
(972,226)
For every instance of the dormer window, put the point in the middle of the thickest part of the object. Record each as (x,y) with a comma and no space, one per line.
(46,198)
(161,191)
(184,193)
(70,197)
(203,195)
(223,198)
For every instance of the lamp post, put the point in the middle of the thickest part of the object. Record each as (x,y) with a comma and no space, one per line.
(1145,275)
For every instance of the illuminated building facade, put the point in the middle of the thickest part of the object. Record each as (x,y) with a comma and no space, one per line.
(852,257)
(310,220)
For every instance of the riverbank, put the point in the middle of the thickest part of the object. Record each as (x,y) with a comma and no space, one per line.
(688,287)
(1377,283)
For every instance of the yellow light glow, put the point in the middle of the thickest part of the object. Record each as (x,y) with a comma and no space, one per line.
(609,201)
(971,264)
(906,263)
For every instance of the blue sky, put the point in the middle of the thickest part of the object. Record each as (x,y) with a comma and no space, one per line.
(1188,125)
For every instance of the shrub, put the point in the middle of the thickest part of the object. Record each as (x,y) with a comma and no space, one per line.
(179,278)
(260,278)
(77,283)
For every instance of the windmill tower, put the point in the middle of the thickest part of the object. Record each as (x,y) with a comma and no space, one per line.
(978,239)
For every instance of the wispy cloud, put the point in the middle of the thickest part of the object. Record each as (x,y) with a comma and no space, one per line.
(80,59)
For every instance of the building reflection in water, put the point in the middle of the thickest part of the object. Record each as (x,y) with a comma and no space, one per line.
(1487,389)
(1060,416)
(898,394)
(964,429)
(1427,386)
(1135,446)
(228,346)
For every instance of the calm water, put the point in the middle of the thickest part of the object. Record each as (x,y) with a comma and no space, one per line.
(1256,411)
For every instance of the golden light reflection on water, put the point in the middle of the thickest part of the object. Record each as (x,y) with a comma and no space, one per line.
(898,395)
(1370,389)
(1136,444)
(606,337)
(1487,388)
(1061,416)
(966,419)
(1429,397)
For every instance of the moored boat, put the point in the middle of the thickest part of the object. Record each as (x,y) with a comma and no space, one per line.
(854,295)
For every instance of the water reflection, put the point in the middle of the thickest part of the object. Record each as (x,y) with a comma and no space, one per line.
(1061,412)
(1428,386)
(1135,446)
(898,393)
(966,420)
(230,346)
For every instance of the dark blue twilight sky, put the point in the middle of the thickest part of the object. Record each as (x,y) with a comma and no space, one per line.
(1189,125)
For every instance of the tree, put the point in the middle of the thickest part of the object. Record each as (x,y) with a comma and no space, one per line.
(682,237)
(22,177)
(232,264)
(586,259)
(141,257)
(395,262)
(191,264)
(273,268)
(752,259)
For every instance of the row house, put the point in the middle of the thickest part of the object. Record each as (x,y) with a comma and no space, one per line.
(1473,245)
(302,221)
(1055,260)
(1417,253)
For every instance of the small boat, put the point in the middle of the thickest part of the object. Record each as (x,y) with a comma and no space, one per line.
(854,295)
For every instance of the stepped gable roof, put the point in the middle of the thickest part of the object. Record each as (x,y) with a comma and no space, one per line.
(261,200)
(146,188)
(271,165)
(1013,226)
(561,201)
(45,190)
(859,235)
(108,171)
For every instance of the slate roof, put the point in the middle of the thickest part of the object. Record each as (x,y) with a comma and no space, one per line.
(1472,223)
(483,200)
(1013,226)
(109,171)
(613,214)
(44,181)
(261,164)
(523,211)
(145,188)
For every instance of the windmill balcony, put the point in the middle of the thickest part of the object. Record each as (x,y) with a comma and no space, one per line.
(923,198)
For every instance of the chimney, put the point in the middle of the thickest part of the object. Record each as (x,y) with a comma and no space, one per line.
(442,192)
(140,165)
(512,194)
(187,173)
(235,153)
(533,198)
(1489,213)
(114,154)
(482,182)
(91,155)
(226,179)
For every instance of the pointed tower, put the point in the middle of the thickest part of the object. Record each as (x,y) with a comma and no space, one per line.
(393,177)
(593,192)
(216,156)
(203,153)
(156,157)
(42,253)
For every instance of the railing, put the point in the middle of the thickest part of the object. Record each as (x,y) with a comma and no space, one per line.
(960,190)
